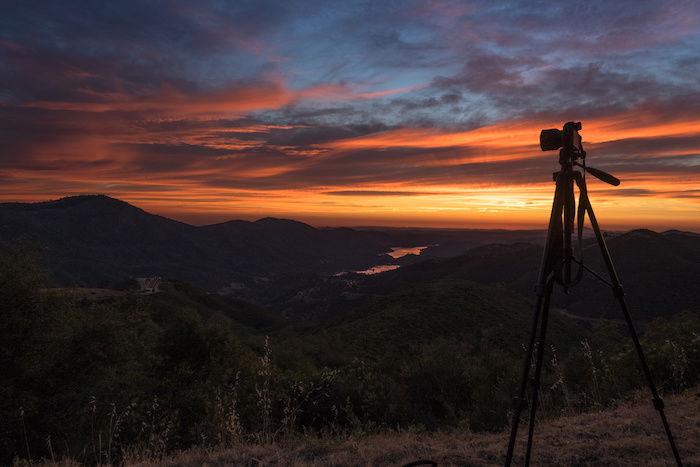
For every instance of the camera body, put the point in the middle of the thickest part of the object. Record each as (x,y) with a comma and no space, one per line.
(567,139)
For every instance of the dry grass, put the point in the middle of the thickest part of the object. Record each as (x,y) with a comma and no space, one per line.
(630,435)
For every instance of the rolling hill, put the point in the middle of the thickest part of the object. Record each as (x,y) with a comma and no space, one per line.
(659,271)
(98,240)
(290,267)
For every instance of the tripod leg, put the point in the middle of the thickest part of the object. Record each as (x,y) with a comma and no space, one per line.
(569,209)
(620,296)
(545,276)
(519,402)
(538,370)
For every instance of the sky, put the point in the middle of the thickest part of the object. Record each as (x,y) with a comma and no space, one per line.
(394,113)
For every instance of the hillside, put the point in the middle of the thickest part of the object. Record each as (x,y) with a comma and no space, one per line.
(659,273)
(114,375)
(429,311)
(389,356)
(629,435)
(290,267)
(97,240)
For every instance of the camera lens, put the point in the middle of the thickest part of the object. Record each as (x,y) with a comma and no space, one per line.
(551,139)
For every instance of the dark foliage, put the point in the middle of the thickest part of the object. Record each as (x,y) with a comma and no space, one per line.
(101,379)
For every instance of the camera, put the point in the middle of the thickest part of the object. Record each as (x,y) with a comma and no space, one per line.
(567,138)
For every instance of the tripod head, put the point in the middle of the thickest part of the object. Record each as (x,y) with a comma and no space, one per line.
(568,141)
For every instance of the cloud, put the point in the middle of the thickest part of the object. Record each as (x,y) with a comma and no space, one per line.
(280,106)
(235,99)
(384,193)
(691,194)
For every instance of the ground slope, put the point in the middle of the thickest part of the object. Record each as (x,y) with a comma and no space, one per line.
(630,435)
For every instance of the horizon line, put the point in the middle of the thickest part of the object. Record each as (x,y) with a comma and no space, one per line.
(321,226)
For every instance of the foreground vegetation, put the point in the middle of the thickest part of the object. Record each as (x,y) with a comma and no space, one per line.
(628,435)
(139,377)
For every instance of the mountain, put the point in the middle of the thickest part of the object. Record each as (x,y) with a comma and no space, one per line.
(659,273)
(290,266)
(98,240)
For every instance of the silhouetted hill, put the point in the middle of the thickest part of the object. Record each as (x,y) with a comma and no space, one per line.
(95,240)
(98,240)
(659,273)
(289,265)
(680,232)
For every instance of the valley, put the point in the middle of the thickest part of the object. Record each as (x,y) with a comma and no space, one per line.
(244,334)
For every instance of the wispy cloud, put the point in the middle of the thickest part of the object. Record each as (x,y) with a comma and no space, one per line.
(427,112)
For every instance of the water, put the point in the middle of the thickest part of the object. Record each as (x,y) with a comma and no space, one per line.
(378,269)
(396,252)
(399,251)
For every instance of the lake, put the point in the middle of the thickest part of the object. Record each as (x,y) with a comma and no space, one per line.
(399,251)
(396,252)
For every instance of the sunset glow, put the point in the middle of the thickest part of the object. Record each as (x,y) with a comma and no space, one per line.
(334,114)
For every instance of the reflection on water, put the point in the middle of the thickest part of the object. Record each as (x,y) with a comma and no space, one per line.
(396,252)
(399,251)
(378,269)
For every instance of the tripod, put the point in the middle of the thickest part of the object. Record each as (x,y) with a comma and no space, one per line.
(556,265)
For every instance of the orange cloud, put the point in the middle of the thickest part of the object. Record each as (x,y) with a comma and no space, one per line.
(503,135)
(524,134)
(372,95)
(236,99)
(203,169)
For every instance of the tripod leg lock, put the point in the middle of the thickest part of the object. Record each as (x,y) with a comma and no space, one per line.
(658,404)
(618,291)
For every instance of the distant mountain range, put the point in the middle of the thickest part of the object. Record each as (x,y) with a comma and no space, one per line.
(291,267)
(98,240)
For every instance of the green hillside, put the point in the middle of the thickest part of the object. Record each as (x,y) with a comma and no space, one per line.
(416,316)
(123,373)
(440,352)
